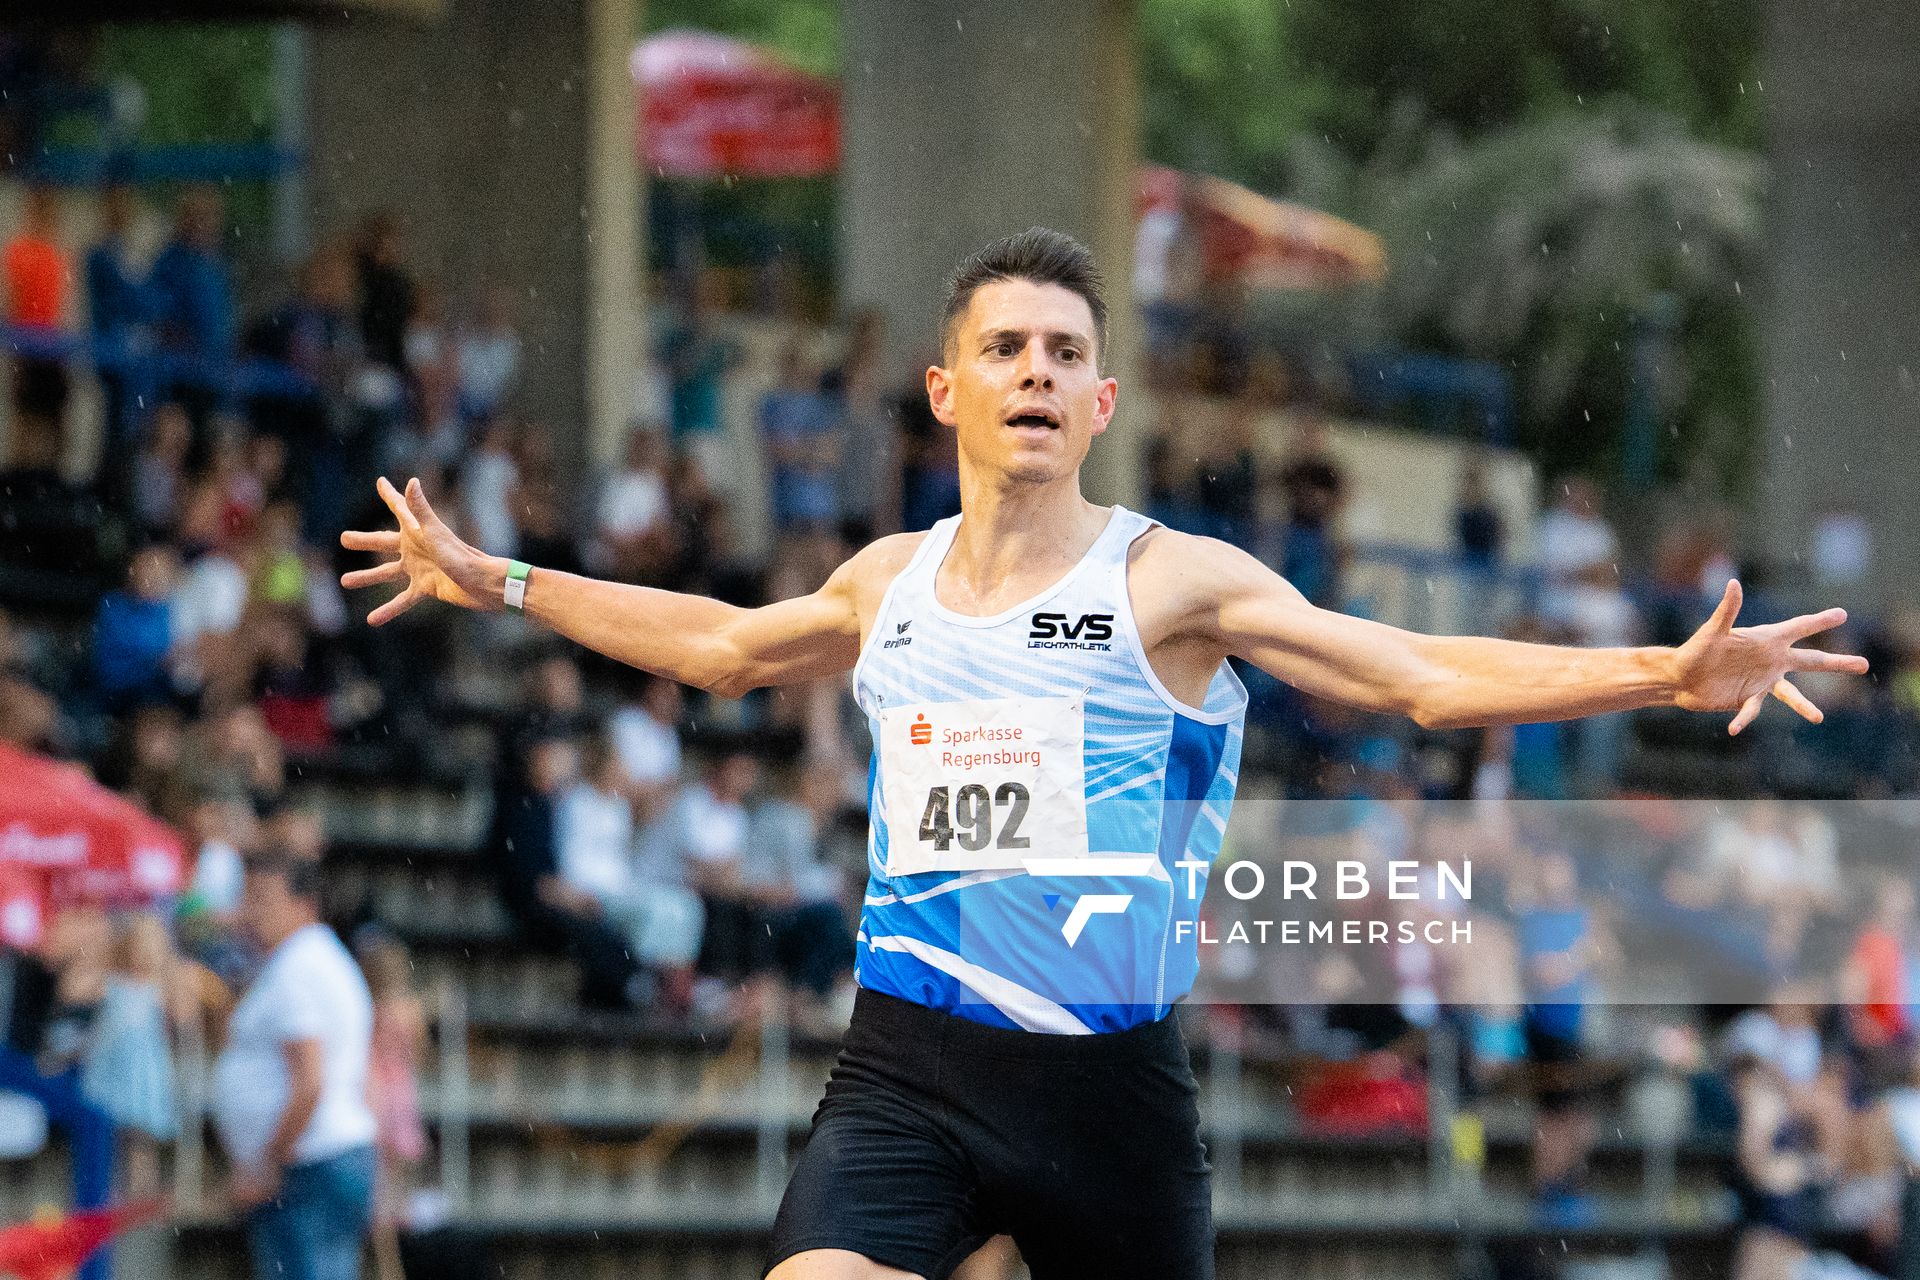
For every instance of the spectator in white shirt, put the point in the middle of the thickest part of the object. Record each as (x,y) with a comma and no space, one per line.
(803,933)
(633,526)
(1579,554)
(646,739)
(211,597)
(489,357)
(594,829)
(701,845)
(290,1088)
(488,482)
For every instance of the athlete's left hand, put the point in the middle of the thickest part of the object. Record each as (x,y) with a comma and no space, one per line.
(1723,667)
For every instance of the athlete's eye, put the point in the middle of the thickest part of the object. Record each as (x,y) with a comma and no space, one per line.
(1069,355)
(1002,348)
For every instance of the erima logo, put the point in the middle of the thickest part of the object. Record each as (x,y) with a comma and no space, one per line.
(1055,631)
(900,637)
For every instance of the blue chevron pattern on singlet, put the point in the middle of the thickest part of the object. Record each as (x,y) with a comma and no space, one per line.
(1160,777)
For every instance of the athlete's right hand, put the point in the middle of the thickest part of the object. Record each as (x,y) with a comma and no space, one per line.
(431,559)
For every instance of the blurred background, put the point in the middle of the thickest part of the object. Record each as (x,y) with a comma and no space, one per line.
(1539,318)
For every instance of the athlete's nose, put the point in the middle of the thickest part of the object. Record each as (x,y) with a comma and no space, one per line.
(1036,369)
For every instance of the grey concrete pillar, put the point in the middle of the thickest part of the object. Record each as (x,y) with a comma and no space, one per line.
(504,133)
(615,215)
(1843,315)
(969,119)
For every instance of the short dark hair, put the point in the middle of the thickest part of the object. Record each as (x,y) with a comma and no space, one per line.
(302,875)
(1039,254)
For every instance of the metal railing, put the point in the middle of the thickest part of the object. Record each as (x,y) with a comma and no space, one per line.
(145,369)
(456,1095)
(1452,1194)
(1455,1142)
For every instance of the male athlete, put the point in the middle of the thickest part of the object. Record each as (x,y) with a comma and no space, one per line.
(1056,738)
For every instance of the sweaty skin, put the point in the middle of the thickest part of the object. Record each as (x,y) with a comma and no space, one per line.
(1024,350)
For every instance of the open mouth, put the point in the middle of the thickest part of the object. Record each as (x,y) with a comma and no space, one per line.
(1035,419)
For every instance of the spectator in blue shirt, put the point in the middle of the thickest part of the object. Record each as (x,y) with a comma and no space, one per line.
(696,360)
(117,310)
(1559,945)
(1479,532)
(133,633)
(315,334)
(802,432)
(192,294)
(116,297)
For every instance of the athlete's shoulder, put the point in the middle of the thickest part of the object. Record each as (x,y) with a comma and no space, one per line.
(1176,580)
(1166,554)
(886,557)
(865,575)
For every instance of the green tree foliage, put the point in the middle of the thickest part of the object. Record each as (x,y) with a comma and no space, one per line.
(1543,171)
(805,32)
(1221,88)
(1540,246)
(195,83)
(202,82)
(1477,65)
(1230,85)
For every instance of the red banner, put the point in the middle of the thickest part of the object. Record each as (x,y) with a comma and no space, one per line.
(711,107)
(63,835)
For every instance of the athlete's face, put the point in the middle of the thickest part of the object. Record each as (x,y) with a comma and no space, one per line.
(1021,389)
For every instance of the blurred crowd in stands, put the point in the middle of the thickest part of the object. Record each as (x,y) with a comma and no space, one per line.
(698,859)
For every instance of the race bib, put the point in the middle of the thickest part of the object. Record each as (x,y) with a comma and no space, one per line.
(985,785)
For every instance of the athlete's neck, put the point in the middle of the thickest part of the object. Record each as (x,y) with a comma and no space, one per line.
(1014,538)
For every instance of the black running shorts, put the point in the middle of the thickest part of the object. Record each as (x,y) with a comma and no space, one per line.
(938,1133)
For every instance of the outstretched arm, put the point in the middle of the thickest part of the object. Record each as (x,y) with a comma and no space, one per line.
(1248,611)
(692,639)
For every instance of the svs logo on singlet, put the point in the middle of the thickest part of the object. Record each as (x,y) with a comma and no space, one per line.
(1092,631)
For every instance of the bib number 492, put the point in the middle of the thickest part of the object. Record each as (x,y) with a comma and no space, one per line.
(967,814)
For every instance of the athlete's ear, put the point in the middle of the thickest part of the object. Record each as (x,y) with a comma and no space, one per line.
(940,394)
(1105,401)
